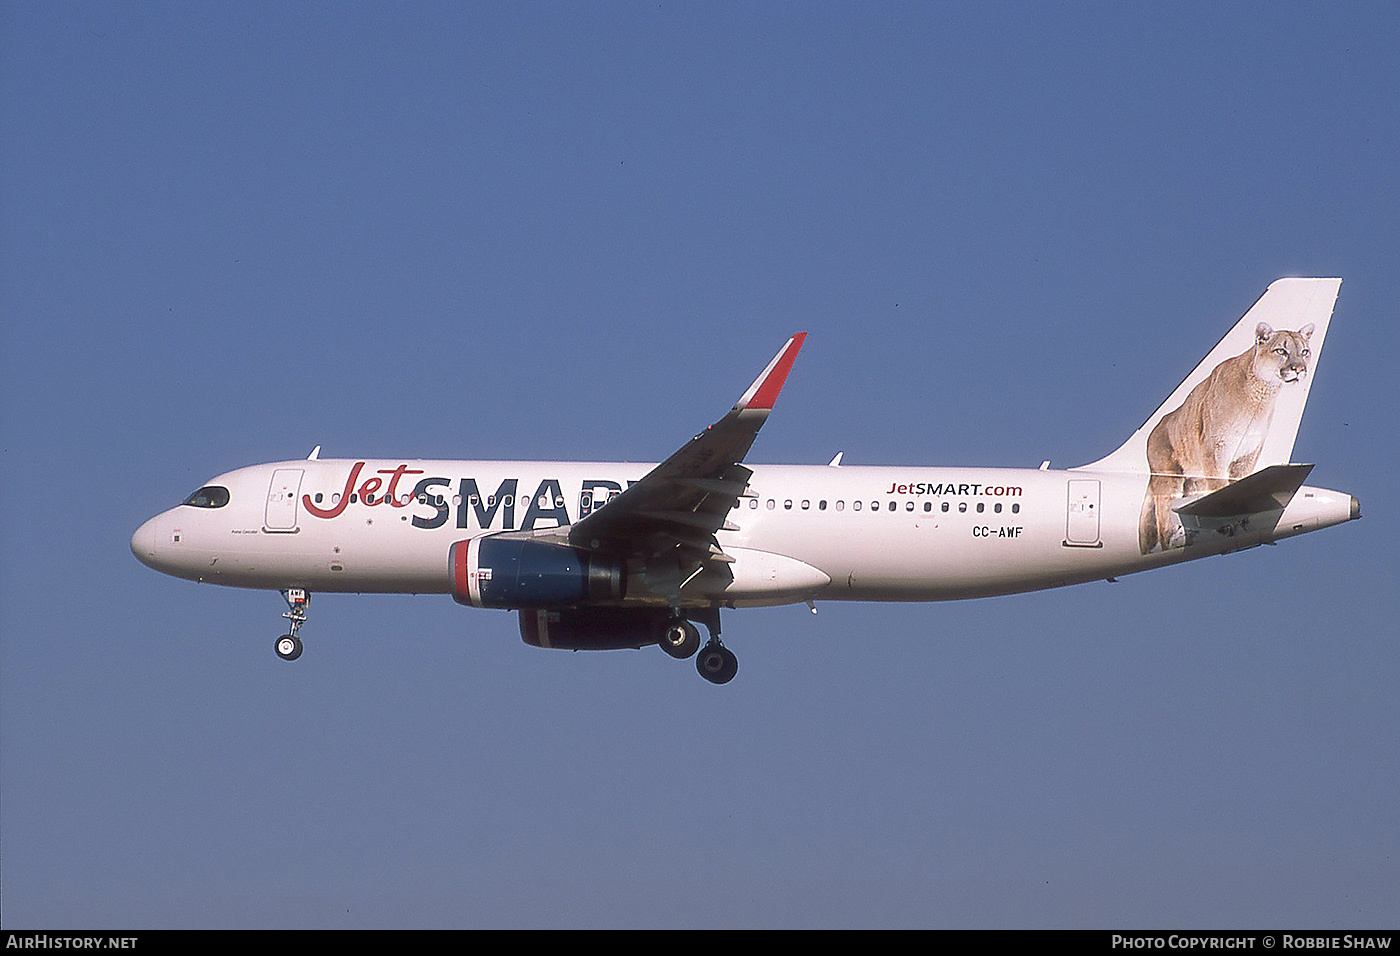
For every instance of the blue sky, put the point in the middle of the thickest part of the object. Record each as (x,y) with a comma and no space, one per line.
(231,232)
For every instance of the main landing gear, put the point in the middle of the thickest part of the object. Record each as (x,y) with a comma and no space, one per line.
(681,639)
(717,663)
(289,645)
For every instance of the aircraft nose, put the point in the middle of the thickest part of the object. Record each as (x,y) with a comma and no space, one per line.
(143,544)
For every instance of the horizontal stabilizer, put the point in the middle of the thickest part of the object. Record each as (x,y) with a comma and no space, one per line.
(1269,489)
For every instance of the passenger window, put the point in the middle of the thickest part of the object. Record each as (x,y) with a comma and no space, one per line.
(928,506)
(997,507)
(909,506)
(962,506)
(840,506)
(770,504)
(981,507)
(1015,509)
(821,505)
(787,505)
(945,506)
(806,504)
(855,505)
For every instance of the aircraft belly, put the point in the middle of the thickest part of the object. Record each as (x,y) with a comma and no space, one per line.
(765,575)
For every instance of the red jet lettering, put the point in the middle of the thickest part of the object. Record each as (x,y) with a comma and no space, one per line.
(344,496)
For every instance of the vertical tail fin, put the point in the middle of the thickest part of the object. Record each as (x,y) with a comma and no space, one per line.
(1238,411)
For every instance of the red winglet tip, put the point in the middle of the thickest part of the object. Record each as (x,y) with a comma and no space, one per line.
(767,392)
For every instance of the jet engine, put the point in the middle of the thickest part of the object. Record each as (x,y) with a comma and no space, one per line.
(593,628)
(505,572)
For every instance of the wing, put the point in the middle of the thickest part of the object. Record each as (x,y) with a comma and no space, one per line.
(670,517)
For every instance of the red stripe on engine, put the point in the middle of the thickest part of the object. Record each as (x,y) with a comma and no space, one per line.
(460,591)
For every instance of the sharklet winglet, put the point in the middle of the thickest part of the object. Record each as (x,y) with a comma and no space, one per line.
(764,391)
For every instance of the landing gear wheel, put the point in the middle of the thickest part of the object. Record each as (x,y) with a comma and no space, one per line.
(289,645)
(717,663)
(680,639)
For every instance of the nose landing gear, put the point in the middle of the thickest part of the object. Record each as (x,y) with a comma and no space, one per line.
(289,645)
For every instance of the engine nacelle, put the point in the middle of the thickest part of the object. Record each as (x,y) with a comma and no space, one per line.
(593,628)
(523,573)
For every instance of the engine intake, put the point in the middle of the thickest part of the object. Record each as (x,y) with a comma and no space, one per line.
(521,573)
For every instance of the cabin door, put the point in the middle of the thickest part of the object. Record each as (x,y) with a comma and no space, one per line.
(281,514)
(1082,523)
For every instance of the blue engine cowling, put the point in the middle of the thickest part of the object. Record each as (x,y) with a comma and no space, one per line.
(593,628)
(522,573)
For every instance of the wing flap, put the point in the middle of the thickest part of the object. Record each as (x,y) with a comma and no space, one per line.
(692,519)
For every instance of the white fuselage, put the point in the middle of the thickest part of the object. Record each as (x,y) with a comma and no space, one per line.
(802,533)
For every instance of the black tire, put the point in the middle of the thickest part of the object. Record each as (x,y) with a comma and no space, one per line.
(288,647)
(717,664)
(680,639)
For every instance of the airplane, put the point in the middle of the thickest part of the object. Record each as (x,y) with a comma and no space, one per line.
(611,555)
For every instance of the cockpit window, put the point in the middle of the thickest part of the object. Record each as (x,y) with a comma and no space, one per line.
(210,496)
